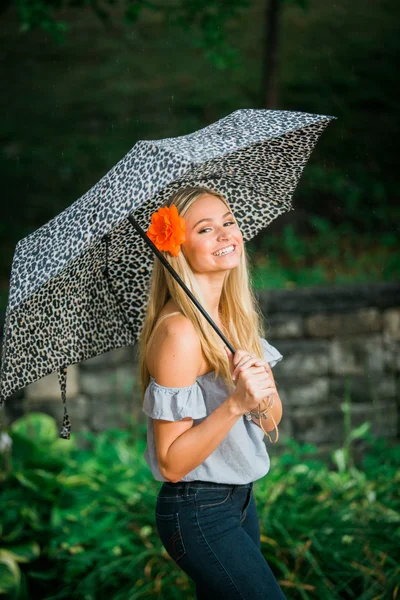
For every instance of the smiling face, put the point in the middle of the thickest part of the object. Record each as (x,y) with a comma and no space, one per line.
(217,229)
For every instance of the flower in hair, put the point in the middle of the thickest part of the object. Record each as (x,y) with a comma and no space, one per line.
(167,229)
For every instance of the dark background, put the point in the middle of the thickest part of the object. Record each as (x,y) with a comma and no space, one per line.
(81,84)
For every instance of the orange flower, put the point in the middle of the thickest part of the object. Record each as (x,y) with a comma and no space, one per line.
(167,229)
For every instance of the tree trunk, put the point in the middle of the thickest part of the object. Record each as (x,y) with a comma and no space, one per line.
(269,75)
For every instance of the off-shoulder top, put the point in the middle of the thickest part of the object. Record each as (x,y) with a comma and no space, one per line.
(242,455)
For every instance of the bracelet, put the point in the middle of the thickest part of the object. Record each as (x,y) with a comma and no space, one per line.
(264,413)
(249,414)
(258,415)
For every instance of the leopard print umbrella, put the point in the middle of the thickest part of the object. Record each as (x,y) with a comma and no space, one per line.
(79,283)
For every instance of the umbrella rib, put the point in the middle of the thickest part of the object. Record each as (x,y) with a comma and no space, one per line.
(106,273)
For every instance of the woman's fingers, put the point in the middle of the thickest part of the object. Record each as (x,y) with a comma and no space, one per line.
(253,362)
(245,362)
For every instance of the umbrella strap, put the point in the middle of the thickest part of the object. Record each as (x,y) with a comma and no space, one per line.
(66,426)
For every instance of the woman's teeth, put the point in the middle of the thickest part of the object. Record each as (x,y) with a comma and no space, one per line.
(226,251)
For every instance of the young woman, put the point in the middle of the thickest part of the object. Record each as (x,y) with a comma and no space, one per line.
(196,393)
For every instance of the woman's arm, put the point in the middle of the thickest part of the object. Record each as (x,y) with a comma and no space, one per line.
(192,447)
(181,447)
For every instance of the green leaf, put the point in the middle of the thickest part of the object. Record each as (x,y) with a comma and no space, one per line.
(25,552)
(38,427)
(359,432)
(10,574)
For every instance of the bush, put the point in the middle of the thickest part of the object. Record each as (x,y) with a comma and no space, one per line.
(80,523)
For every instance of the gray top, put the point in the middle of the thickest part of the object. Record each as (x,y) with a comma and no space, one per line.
(242,455)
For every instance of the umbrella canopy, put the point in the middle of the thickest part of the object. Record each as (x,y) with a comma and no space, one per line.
(79,284)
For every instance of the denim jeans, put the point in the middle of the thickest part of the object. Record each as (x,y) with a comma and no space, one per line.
(211,531)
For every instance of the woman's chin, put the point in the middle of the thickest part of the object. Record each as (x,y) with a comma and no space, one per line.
(228,265)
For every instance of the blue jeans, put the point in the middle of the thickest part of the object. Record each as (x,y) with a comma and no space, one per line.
(211,531)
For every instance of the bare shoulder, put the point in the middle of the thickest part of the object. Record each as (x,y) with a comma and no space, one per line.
(175,353)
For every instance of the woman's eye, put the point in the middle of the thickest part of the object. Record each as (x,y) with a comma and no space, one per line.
(227,223)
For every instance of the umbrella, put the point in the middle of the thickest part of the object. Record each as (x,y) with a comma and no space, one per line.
(78,285)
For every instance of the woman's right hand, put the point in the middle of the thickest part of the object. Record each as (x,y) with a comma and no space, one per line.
(253,383)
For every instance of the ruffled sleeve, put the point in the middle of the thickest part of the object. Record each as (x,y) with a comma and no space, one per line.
(271,354)
(173,404)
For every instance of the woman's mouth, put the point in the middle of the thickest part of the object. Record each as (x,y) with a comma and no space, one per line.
(227,250)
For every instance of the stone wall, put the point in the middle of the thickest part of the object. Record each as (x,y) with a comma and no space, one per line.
(337,342)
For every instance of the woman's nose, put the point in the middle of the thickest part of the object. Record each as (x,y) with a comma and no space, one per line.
(224,237)
(223,234)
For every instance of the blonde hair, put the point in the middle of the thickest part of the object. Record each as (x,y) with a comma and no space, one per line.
(239,310)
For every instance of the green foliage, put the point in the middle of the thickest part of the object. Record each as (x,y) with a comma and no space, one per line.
(80,523)
(356,195)
(334,532)
(331,255)
(207,19)
(39,13)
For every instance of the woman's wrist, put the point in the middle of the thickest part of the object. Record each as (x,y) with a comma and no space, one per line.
(234,406)
(258,414)
(237,410)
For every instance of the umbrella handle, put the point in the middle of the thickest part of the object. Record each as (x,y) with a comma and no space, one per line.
(175,275)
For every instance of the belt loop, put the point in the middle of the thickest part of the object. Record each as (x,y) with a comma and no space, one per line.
(234,488)
(186,487)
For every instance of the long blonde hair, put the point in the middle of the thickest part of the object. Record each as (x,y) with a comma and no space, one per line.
(240,314)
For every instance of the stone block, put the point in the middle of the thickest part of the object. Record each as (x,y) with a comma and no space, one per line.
(365,320)
(357,355)
(391,323)
(330,299)
(77,408)
(383,416)
(107,413)
(318,425)
(371,388)
(391,354)
(116,382)
(325,425)
(49,388)
(303,357)
(304,391)
(284,326)
(109,359)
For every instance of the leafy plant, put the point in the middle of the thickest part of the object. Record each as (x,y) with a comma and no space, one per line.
(79,523)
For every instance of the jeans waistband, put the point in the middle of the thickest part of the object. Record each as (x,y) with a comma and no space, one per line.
(185,486)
